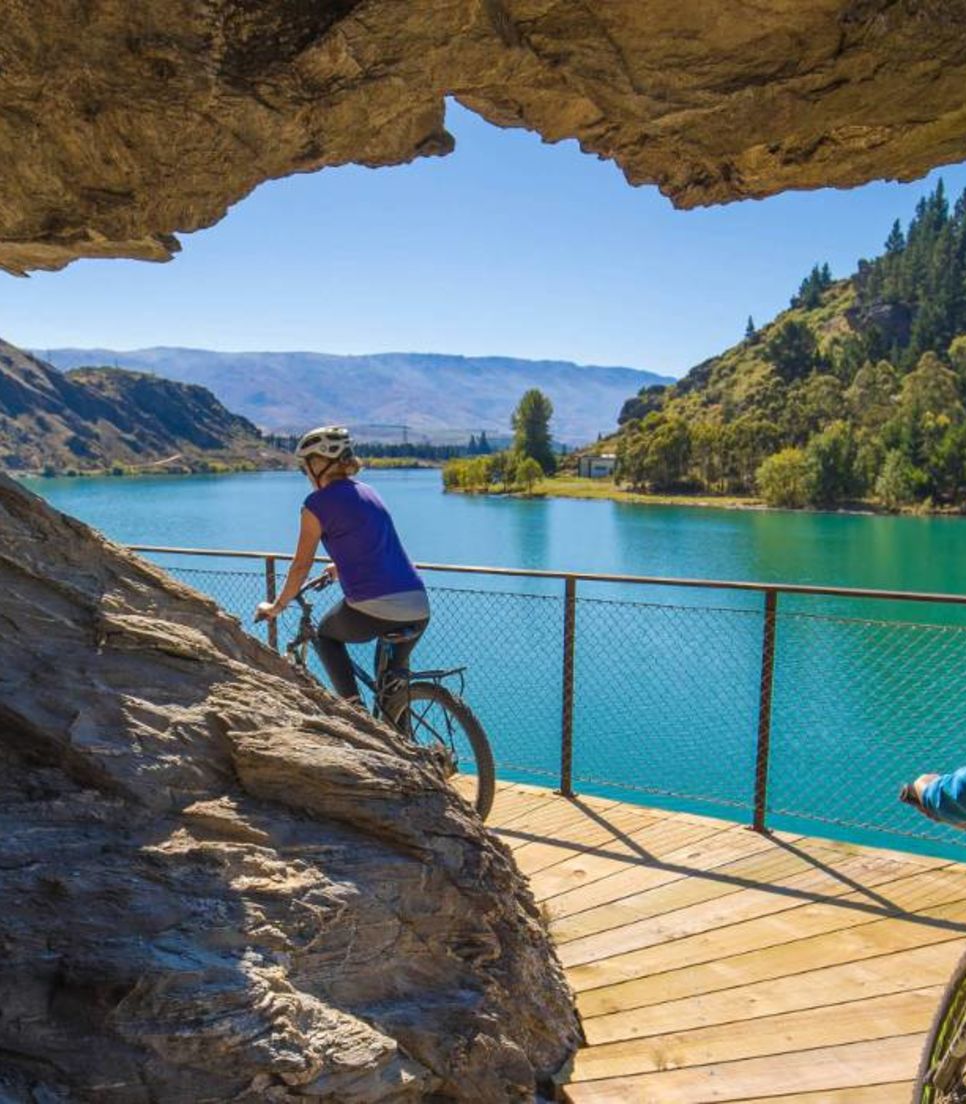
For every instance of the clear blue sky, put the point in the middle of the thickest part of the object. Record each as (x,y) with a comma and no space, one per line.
(508,246)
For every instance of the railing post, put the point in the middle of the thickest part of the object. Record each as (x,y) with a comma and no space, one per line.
(270,594)
(567,725)
(764,709)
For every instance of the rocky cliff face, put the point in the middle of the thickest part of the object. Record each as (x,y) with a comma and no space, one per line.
(218,883)
(94,418)
(123,124)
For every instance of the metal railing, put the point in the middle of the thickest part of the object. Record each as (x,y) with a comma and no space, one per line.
(786,705)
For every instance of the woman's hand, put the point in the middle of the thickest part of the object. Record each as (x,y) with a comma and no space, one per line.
(267,611)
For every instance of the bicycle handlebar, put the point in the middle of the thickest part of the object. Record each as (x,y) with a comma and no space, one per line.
(321,582)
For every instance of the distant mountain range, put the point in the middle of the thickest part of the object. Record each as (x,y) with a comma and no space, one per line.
(437,397)
(103,418)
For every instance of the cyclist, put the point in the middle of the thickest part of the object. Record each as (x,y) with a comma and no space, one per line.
(940,796)
(382,591)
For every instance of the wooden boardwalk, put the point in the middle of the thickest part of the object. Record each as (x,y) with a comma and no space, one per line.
(714,964)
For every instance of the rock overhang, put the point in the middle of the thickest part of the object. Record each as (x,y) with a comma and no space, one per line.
(123,125)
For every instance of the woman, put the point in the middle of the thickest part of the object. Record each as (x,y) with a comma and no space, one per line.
(381,588)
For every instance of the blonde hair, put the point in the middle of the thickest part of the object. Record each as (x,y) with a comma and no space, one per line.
(343,469)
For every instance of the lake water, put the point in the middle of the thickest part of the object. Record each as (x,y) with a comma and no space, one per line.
(261,512)
(667,680)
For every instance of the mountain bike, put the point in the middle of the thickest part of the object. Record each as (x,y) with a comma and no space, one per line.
(941,1078)
(415,703)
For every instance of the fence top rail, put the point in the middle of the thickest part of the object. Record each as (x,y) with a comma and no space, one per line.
(591,577)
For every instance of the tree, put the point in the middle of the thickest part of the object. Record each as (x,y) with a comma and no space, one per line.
(821,401)
(746,442)
(931,388)
(832,455)
(531,429)
(872,397)
(706,440)
(899,482)
(656,454)
(810,292)
(529,472)
(472,448)
(750,332)
(957,356)
(483,445)
(479,473)
(786,478)
(896,241)
(792,350)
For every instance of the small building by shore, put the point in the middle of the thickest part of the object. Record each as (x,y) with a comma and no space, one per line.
(597,467)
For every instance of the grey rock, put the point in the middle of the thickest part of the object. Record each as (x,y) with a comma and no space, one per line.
(218,883)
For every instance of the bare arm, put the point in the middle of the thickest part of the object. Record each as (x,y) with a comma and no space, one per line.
(310,533)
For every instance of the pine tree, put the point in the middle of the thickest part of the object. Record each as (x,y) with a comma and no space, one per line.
(483,445)
(896,241)
(472,448)
(750,330)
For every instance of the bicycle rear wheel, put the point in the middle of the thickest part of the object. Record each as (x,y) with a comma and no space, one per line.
(942,1068)
(432,716)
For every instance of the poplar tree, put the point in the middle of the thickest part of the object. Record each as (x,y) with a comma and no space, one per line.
(531,429)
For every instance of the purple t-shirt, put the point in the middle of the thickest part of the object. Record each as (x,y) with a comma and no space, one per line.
(359,535)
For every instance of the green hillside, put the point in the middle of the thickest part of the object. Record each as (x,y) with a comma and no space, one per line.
(855,392)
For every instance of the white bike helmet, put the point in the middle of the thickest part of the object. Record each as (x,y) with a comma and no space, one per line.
(330,442)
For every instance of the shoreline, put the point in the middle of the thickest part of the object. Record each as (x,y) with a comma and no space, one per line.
(592,490)
(122,471)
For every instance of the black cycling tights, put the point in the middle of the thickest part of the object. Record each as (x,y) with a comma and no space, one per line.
(344,625)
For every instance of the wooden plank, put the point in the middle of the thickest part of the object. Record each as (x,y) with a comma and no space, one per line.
(922,966)
(669,891)
(898,1092)
(584,870)
(571,823)
(900,1013)
(622,886)
(512,803)
(544,821)
(657,841)
(577,837)
(668,969)
(823,1071)
(695,905)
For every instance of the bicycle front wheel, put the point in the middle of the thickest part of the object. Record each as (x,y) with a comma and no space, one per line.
(432,716)
(942,1069)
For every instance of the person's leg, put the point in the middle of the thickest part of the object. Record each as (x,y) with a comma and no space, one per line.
(344,625)
(399,653)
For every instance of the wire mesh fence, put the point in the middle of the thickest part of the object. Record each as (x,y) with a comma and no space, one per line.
(668,697)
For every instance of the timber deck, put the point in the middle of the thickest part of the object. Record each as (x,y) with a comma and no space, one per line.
(714,964)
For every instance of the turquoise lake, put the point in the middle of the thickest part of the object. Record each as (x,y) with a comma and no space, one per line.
(866,694)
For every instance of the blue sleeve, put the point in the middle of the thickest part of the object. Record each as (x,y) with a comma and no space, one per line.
(945,797)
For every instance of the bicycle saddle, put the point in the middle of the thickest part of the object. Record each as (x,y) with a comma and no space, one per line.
(401,636)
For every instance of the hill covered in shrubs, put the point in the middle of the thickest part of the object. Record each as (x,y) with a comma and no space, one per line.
(856,392)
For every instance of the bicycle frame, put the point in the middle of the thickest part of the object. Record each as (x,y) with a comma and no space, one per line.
(307,634)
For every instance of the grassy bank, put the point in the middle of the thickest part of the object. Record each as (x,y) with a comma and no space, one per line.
(568,486)
(397,463)
(564,486)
